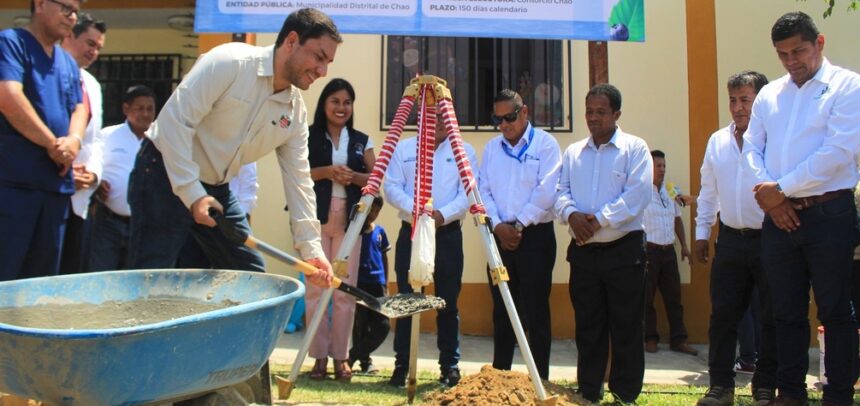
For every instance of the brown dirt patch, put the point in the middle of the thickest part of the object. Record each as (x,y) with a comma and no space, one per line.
(495,387)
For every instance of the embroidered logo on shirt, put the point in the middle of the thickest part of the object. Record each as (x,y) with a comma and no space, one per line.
(284,122)
(823,92)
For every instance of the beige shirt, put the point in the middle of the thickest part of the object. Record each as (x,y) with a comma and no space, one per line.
(224,115)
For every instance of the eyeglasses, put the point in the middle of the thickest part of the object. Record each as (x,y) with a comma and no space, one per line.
(66,9)
(510,117)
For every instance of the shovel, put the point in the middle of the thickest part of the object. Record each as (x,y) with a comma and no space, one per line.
(400,305)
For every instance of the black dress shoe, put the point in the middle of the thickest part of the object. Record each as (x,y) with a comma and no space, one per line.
(451,377)
(398,377)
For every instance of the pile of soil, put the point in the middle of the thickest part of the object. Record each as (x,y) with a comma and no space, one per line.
(495,387)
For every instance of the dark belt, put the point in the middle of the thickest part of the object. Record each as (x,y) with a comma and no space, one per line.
(110,213)
(660,247)
(743,232)
(454,225)
(809,201)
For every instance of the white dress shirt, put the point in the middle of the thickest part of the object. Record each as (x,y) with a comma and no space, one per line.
(449,196)
(525,189)
(806,138)
(612,181)
(90,152)
(727,184)
(340,156)
(659,220)
(118,153)
(245,187)
(223,115)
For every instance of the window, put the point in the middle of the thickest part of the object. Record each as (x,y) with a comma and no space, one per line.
(117,73)
(478,68)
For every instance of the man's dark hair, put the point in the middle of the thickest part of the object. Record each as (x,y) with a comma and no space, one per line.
(308,23)
(333,86)
(794,23)
(85,21)
(656,153)
(511,96)
(611,92)
(136,91)
(747,78)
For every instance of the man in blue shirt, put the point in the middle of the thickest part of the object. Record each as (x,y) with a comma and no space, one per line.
(41,122)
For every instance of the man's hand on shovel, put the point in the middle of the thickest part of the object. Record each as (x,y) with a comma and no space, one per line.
(200,210)
(323,276)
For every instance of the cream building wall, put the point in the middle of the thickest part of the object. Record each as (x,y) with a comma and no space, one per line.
(151,41)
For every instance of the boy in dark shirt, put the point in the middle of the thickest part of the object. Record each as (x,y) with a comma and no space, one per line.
(371,328)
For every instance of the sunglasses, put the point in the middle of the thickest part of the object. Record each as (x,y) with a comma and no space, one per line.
(510,117)
(66,9)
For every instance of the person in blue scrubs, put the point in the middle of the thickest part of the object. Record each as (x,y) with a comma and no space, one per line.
(42,118)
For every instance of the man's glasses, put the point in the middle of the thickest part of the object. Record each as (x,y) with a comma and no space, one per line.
(510,117)
(66,9)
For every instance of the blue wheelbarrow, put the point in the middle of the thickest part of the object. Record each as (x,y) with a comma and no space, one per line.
(158,362)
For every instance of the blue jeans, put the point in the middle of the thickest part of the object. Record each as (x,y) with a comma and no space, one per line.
(160,222)
(447,280)
(819,253)
(108,240)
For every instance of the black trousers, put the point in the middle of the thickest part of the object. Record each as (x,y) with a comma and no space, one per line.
(607,288)
(735,274)
(530,271)
(370,328)
(447,281)
(663,274)
(72,257)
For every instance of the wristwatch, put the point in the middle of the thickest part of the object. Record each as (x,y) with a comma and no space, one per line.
(518,226)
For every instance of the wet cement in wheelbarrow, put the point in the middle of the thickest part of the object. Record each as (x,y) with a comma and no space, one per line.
(495,387)
(110,314)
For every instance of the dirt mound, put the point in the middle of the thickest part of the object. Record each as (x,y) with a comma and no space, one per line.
(494,387)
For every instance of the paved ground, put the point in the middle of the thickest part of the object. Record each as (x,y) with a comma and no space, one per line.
(664,367)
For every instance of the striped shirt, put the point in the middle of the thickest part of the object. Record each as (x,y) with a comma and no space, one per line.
(660,217)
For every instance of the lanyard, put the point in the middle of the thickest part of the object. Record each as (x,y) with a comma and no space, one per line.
(522,151)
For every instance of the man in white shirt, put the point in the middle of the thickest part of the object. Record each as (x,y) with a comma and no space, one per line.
(111,212)
(517,179)
(662,223)
(605,186)
(84,44)
(238,103)
(736,273)
(801,142)
(450,205)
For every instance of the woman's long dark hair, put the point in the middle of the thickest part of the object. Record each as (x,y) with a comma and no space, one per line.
(335,85)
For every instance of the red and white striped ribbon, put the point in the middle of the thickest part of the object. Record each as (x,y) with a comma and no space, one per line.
(463,165)
(426,147)
(387,149)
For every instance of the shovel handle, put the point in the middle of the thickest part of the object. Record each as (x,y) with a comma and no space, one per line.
(302,266)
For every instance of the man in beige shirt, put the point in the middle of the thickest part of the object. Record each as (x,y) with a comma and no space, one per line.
(238,103)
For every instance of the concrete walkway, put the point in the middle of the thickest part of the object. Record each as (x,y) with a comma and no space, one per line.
(663,367)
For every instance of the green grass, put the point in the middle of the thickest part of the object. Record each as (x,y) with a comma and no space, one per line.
(374,390)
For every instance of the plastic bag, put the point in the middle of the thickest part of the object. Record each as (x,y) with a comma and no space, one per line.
(423,259)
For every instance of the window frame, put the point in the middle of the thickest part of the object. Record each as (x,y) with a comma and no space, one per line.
(566,97)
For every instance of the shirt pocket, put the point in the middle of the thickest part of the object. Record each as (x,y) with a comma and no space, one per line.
(530,172)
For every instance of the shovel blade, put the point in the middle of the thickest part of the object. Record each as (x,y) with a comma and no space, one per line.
(404,304)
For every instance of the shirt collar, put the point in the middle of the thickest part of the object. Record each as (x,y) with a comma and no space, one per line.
(524,139)
(613,140)
(266,61)
(825,72)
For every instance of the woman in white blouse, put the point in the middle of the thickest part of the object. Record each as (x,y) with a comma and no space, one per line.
(341,159)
